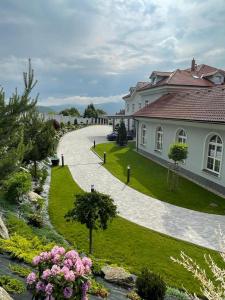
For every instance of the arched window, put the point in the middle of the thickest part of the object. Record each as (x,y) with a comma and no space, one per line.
(143,134)
(214,154)
(159,139)
(181,136)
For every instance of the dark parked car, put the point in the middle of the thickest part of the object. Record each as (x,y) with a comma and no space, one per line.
(112,136)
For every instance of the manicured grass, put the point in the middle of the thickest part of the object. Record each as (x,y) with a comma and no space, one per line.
(150,178)
(123,243)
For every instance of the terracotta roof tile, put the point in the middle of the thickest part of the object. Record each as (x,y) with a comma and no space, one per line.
(206,105)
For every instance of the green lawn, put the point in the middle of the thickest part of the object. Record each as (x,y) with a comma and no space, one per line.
(123,243)
(150,178)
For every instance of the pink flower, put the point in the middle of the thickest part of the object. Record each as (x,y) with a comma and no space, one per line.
(46,274)
(80,267)
(55,270)
(65,270)
(31,278)
(72,254)
(57,250)
(49,289)
(40,286)
(36,260)
(87,261)
(68,292)
(56,258)
(68,263)
(69,276)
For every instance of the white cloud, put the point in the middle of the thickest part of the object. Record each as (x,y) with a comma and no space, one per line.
(85,100)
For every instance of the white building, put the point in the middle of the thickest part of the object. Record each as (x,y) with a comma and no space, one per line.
(186,106)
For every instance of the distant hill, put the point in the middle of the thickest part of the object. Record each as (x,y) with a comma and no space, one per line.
(110,108)
(45,109)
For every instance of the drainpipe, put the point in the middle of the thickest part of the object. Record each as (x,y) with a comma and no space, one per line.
(137,134)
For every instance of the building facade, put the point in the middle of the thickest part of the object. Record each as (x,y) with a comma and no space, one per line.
(186,106)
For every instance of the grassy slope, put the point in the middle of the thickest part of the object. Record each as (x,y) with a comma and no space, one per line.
(151,179)
(123,242)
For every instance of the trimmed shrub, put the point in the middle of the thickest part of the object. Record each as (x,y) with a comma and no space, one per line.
(20,270)
(150,286)
(12,285)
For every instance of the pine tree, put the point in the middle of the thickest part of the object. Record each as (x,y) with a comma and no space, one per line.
(12,146)
(122,134)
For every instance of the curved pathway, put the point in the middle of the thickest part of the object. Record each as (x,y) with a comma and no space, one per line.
(86,169)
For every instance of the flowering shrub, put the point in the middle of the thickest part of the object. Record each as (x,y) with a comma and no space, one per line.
(61,275)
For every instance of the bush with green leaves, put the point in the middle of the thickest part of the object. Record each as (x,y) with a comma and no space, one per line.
(174,293)
(20,270)
(150,285)
(122,134)
(35,219)
(23,248)
(17,186)
(12,285)
(98,289)
(178,152)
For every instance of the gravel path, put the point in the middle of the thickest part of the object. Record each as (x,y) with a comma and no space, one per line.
(86,169)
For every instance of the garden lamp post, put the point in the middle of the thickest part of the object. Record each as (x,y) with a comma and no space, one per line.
(62,159)
(94,143)
(92,188)
(104,160)
(128,174)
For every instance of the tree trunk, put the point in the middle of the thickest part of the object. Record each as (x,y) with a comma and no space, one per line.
(90,241)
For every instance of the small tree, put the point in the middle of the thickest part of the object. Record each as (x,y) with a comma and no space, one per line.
(150,285)
(178,153)
(122,134)
(95,210)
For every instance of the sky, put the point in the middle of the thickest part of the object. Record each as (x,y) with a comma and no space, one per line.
(86,51)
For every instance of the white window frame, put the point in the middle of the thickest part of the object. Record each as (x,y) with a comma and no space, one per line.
(159,139)
(213,155)
(146,102)
(139,105)
(181,138)
(143,134)
(127,107)
(133,107)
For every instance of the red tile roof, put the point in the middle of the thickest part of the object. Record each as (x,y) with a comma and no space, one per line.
(205,105)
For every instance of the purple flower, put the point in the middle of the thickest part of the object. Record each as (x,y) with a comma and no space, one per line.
(36,260)
(49,289)
(46,274)
(80,267)
(40,286)
(31,278)
(68,292)
(85,287)
(55,270)
(68,263)
(69,276)
(72,254)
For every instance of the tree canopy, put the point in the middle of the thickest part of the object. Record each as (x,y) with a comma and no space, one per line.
(73,112)
(94,209)
(122,134)
(178,152)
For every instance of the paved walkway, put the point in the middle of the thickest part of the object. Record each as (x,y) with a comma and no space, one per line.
(85,166)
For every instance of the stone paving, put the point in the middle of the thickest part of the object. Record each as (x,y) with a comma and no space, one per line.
(86,169)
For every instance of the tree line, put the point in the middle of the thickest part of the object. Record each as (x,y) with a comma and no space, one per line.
(89,112)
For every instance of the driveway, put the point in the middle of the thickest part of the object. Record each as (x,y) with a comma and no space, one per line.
(86,169)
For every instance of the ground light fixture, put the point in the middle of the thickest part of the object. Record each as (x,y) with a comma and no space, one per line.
(104,159)
(92,188)
(94,143)
(128,174)
(62,160)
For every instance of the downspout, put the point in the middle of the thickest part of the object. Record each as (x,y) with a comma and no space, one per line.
(137,134)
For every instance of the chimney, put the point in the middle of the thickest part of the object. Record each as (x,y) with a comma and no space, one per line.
(193,65)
